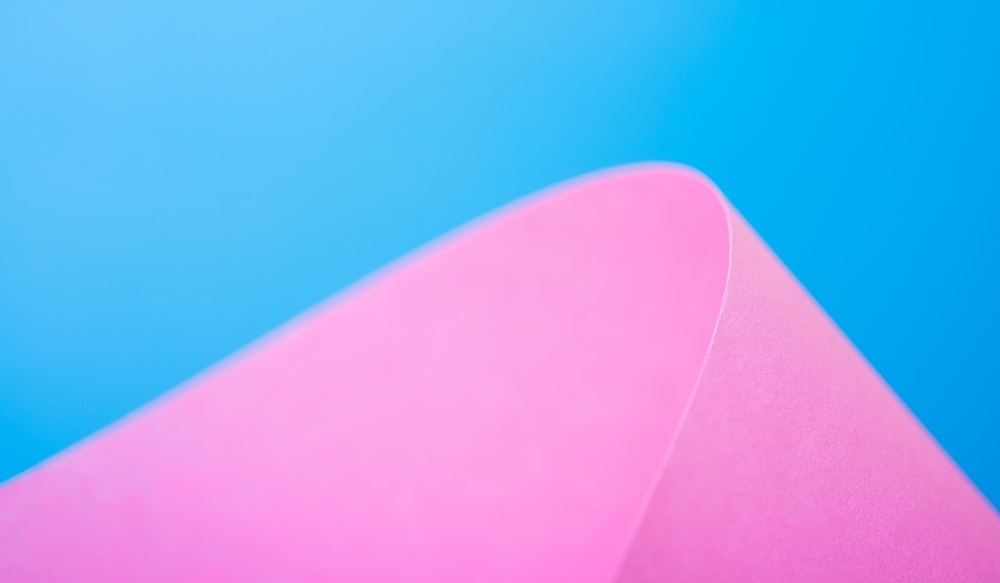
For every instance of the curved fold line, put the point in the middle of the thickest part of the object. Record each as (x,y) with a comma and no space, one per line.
(648,501)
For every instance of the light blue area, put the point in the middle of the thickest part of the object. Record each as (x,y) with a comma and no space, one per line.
(177,178)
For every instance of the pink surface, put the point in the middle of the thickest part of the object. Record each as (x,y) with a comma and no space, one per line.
(612,381)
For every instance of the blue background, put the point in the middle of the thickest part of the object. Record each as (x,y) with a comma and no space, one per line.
(177,178)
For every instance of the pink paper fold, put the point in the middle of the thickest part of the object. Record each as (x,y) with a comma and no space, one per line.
(613,380)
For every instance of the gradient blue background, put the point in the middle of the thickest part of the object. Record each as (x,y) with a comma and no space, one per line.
(177,178)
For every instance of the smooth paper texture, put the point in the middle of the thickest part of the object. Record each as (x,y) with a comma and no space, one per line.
(614,380)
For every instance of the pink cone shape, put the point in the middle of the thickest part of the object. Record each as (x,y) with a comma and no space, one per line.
(614,380)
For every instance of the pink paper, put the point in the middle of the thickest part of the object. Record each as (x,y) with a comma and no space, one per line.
(614,380)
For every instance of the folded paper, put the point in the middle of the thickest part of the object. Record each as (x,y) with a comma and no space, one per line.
(613,380)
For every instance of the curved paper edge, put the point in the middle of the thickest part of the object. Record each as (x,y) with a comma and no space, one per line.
(796,462)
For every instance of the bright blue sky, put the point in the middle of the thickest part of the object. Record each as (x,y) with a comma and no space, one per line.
(177,178)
